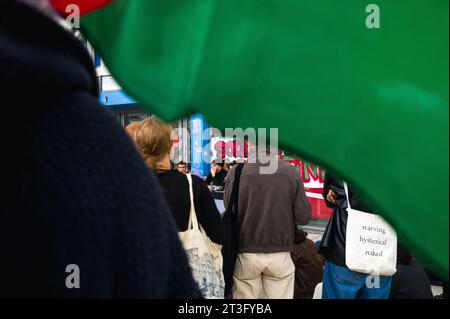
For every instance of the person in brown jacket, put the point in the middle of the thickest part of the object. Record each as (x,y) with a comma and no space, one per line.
(308,266)
(269,208)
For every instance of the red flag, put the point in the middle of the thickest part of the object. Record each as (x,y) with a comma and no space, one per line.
(86,6)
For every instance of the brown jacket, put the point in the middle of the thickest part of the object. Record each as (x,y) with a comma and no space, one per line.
(269,206)
(308,269)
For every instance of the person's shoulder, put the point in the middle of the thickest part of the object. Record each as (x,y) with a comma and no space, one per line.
(197,179)
(286,168)
(171,174)
(199,184)
(283,165)
(80,123)
(244,167)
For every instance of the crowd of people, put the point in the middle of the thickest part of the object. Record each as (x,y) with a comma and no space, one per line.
(85,192)
(275,257)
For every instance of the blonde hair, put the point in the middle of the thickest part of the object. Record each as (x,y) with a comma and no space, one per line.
(153,141)
(132,128)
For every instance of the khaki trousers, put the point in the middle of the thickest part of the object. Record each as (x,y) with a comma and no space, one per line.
(264,275)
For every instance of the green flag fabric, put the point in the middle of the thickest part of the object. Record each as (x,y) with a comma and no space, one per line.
(360,90)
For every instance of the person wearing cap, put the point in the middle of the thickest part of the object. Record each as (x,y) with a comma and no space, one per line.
(217,175)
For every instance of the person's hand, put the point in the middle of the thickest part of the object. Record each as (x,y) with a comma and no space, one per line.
(331,197)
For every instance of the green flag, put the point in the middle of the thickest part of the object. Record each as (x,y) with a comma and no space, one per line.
(362,90)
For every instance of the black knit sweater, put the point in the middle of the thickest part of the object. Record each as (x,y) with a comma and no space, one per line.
(75,190)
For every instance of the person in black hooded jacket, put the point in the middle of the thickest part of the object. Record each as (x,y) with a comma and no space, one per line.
(77,199)
(339,282)
(332,245)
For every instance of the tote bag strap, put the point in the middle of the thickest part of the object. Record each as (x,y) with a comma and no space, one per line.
(193,222)
(346,195)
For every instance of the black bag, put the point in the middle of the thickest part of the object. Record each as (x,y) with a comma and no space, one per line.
(332,245)
(230,248)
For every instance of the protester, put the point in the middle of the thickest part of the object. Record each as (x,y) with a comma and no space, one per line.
(80,202)
(410,281)
(217,175)
(308,266)
(339,282)
(153,140)
(181,167)
(269,207)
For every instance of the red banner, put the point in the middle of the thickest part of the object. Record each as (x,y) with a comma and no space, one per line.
(85,6)
(313,178)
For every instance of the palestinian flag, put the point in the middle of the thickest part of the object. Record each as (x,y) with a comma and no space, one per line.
(357,89)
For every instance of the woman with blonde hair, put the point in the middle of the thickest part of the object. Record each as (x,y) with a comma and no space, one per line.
(153,141)
(132,128)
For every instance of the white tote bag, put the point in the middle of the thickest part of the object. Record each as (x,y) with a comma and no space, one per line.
(205,257)
(371,243)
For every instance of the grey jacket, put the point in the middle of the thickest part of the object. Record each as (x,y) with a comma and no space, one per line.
(269,207)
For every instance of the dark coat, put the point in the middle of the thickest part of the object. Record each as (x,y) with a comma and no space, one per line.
(332,245)
(308,269)
(75,190)
(176,189)
(410,282)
